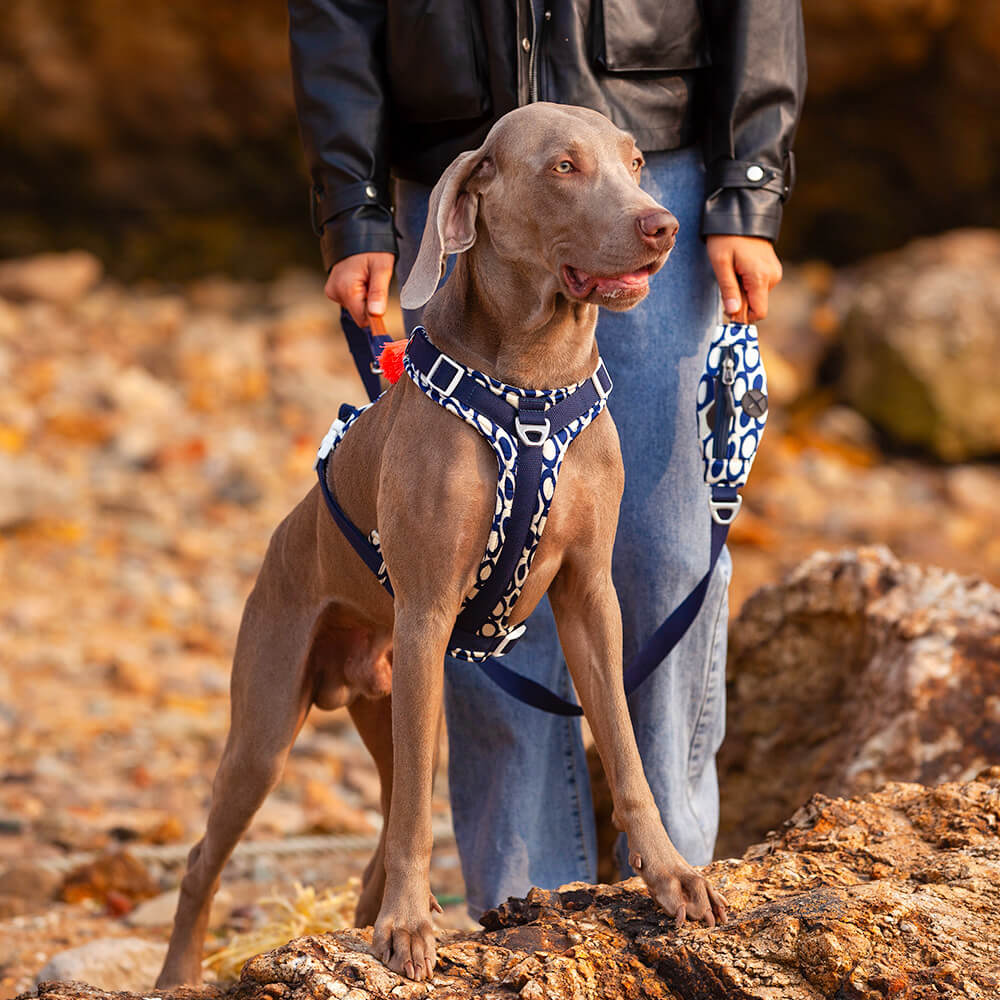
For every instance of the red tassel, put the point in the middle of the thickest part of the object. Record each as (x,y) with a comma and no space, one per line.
(391,360)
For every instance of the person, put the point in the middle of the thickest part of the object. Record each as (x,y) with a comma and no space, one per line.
(712,92)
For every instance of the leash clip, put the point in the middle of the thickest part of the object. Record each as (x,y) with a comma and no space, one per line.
(724,511)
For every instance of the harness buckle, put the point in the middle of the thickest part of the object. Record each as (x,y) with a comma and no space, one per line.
(509,639)
(725,511)
(598,381)
(456,378)
(532,435)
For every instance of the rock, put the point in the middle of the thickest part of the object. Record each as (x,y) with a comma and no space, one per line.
(61,278)
(118,873)
(887,895)
(122,963)
(32,491)
(856,670)
(919,342)
(30,881)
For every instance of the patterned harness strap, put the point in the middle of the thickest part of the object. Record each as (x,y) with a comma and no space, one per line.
(529,431)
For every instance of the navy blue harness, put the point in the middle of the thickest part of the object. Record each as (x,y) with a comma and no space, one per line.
(529,431)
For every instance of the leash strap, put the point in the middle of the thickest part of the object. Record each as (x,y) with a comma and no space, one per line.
(732,411)
(365,347)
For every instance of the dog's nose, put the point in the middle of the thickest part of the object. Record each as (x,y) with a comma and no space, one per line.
(658,228)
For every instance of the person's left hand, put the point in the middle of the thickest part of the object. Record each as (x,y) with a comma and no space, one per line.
(747,268)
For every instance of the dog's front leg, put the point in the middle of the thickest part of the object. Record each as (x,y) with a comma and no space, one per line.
(404,935)
(588,617)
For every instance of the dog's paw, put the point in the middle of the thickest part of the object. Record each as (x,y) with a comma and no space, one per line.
(684,894)
(405,942)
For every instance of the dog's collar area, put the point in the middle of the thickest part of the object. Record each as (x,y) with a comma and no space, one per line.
(537,414)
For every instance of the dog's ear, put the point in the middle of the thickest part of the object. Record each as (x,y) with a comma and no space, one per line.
(450,226)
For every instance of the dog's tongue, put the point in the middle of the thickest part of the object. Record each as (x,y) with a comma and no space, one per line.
(620,282)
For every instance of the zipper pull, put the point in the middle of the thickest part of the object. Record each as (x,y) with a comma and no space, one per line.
(725,403)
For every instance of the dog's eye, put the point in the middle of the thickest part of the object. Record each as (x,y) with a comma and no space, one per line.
(564,167)
(637,163)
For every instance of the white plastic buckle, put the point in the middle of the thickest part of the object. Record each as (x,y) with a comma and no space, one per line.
(533,434)
(452,385)
(511,637)
(332,436)
(595,378)
(732,507)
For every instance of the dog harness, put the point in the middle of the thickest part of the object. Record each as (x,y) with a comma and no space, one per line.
(529,431)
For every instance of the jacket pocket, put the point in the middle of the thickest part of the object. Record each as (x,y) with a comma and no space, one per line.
(651,35)
(436,59)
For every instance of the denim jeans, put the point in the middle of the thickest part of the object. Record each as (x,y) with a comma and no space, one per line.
(520,793)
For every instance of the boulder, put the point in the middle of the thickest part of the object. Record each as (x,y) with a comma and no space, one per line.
(855,670)
(888,895)
(119,963)
(919,342)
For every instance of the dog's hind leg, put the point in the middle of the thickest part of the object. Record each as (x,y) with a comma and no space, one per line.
(373,718)
(270,698)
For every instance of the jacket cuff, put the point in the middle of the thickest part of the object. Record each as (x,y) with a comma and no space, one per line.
(365,229)
(742,212)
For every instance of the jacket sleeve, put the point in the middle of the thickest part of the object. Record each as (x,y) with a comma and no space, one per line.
(337,52)
(758,80)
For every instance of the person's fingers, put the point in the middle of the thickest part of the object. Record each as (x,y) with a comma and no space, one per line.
(379,276)
(729,285)
(756,286)
(360,283)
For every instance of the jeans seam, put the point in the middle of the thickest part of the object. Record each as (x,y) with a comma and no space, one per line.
(576,809)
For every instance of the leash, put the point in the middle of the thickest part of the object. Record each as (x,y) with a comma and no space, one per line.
(366,348)
(731,414)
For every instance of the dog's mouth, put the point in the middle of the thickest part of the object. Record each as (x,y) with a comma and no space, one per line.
(633,284)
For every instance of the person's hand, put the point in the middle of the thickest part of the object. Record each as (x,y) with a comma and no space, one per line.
(747,268)
(360,283)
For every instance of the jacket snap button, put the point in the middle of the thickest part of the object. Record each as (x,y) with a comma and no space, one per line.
(754,173)
(526,44)
(370,191)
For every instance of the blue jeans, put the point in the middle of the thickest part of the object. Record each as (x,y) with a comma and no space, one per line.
(520,793)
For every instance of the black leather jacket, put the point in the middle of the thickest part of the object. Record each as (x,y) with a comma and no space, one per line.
(401,86)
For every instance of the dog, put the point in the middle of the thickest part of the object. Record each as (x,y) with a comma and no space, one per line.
(548,223)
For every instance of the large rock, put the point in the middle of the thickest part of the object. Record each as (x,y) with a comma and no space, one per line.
(120,963)
(890,895)
(856,670)
(920,341)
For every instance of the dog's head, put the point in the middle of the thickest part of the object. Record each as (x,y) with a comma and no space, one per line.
(554,189)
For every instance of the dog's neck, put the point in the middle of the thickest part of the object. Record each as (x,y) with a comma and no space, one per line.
(500,319)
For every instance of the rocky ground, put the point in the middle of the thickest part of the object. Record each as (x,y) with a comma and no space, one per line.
(887,896)
(151,437)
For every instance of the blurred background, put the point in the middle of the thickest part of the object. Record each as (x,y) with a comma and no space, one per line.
(168,364)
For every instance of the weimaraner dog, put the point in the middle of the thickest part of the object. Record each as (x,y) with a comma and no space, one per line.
(549,223)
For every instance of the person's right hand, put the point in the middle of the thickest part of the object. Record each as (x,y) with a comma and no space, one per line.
(360,283)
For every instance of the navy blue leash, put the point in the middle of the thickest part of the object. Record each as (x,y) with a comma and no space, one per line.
(365,348)
(719,412)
